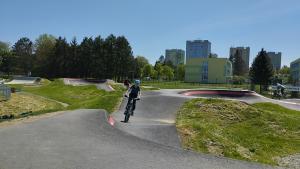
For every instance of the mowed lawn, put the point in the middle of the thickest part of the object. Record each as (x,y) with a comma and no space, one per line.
(262,132)
(78,97)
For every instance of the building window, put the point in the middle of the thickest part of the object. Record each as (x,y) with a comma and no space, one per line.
(204,74)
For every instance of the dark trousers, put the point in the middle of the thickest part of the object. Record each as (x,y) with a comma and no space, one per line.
(134,102)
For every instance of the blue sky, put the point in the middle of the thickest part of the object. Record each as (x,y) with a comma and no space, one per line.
(151,26)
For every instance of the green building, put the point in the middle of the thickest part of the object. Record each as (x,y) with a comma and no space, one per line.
(208,70)
(295,71)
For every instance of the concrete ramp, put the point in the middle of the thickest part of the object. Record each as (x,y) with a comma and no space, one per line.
(100,84)
(154,118)
(25,80)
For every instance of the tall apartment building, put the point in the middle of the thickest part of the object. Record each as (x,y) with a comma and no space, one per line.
(176,56)
(243,51)
(198,49)
(295,71)
(275,59)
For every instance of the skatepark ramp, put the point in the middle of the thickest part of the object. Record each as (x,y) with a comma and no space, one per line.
(25,80)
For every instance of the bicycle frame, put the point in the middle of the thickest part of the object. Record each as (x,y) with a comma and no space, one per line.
(128,110)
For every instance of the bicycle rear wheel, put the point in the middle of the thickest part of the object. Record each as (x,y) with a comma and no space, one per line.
(127,115)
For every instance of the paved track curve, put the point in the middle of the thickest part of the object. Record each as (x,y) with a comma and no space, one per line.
(82,139)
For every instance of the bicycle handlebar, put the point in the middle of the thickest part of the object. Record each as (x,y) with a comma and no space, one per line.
(133,99)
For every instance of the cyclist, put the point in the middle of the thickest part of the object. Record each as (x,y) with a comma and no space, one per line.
(126,83)
(134,93)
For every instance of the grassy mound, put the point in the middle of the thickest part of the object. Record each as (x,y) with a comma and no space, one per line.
(88,97)
(261,132)
(52,96)
(21,103)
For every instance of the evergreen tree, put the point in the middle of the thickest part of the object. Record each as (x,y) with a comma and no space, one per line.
(93,58)
(23,50)
(58,63)
(74,60)
(86,57)
(238,64)
(110,56)
(261,70)
(8,62)
(99,66)
(124,58)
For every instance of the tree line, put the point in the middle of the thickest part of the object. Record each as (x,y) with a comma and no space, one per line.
(161,70)
(52,57)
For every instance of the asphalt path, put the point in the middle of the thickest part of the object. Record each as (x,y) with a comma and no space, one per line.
(83,139)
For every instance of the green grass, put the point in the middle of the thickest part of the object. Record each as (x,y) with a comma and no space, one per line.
(22,104)
(259,132)
(85,97)
(149,88)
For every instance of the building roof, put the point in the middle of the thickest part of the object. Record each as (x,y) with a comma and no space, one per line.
(297,60)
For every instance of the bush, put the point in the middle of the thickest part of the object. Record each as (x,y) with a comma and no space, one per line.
(238,80)
(295,94)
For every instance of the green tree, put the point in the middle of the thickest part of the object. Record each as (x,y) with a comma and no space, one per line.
(99,65)
(167,72)
(140,62)
(261,70)
(58,64)
(86,56)
(8,62)
(238,64)
(44,48)
(154,74)
(170,64)
(23,50)
(110,56)
(158,68)
(147,70)
(74,59)
(284,70)
(180,72)
(4,46)
(124,59)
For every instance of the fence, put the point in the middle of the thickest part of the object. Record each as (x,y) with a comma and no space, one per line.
(5,92)
(287,88)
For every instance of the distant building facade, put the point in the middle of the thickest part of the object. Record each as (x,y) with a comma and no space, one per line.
(244,53)
(275,59)
(295,71)
(198,49)
(208,70)
(161,59)
(213,55)
(176,56)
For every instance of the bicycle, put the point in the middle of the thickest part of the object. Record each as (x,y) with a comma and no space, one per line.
(128,110)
